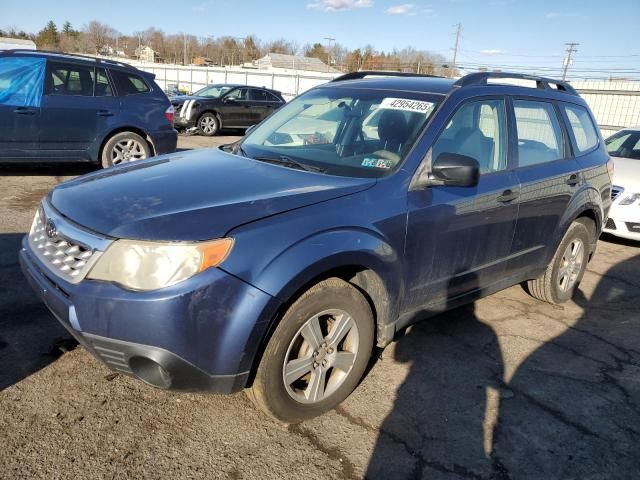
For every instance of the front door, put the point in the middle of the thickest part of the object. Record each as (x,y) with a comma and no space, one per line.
(459,238)
(20,95)
(237,108)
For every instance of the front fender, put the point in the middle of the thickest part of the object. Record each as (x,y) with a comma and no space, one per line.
(301,264)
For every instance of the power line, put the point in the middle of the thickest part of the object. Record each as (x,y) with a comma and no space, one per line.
(455,48)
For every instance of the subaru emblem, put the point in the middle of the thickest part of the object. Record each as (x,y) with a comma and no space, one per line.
(50,229)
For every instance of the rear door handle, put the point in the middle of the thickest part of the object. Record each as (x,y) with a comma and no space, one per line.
(24,111)
(105,113)
(507,196)
(573,180)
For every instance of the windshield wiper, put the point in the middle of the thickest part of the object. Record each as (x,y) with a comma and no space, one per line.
(290,162)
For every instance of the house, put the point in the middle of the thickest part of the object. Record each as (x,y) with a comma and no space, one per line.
(16,43)
(147,54)
(281,62)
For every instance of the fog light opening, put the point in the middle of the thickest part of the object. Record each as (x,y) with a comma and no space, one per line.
(150,372)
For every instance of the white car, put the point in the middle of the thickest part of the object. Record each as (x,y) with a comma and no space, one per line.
(624,217)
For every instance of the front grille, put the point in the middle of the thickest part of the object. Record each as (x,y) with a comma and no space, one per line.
(615,191)
(610,225)
(64,256)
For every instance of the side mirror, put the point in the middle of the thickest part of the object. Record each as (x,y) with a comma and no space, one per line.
(227,100)
(455,170)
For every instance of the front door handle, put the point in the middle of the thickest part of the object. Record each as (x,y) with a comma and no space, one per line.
(104,113)
(573,180)
(24,111)
(507,196)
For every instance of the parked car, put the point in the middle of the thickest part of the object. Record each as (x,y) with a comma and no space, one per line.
(277,269)
(624,218)
(225,106)
(56,107)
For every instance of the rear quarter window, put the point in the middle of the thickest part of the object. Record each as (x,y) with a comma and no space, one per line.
(129,83)
(584,132)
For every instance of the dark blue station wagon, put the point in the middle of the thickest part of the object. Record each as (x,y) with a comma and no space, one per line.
(277,263)
(56,107)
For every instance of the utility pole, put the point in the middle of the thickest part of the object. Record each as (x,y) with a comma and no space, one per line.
(455,48)
(329,39)
(571,48)
(184,48)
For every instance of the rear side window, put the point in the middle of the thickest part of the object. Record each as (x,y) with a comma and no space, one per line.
(584,131)
(259,95)
(539,133)
(70,79)
(129,83)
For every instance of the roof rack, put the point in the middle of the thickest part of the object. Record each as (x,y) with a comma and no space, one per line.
(378,73)
(481,78)
(69,55)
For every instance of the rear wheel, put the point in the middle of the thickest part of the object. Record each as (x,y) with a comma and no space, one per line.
(565,272)
(124,147)
(208,124)
(317,354)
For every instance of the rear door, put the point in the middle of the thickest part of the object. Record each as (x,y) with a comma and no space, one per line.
(21,86)
(78,105)
(549,177)
(263,103)
(459,238)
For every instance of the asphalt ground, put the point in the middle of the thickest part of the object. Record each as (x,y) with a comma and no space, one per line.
(507,388)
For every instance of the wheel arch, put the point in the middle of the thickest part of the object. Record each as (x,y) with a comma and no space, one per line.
(115,131)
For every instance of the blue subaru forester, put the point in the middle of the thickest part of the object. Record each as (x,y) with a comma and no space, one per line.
(57,107)
(278,263)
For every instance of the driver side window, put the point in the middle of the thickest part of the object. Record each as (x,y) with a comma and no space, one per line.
(477,130)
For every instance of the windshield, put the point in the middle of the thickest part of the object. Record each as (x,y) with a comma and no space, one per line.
(351,132)
(625,144)
(213,91)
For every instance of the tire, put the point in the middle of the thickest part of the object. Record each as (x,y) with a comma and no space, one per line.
(208,124)
(124,147)
(335,305)
(564,274)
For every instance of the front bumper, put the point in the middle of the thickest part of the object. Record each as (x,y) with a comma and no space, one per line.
(202,334)
(624,221)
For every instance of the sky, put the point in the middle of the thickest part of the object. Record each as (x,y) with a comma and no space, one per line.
(516,34)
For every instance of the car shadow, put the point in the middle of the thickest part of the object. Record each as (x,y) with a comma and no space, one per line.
(47,169)
(570,410)
(30,337)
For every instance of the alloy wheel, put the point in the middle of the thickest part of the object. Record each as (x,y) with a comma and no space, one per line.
(320,356)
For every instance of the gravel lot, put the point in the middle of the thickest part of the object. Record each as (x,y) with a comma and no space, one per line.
(506,388)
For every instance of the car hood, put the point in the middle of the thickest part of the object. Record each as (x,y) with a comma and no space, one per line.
(191,196)
(626,173)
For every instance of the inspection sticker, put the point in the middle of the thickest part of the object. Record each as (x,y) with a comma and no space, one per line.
(377,163)
(408,105)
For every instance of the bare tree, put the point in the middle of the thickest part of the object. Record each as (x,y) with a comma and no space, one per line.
(98,35)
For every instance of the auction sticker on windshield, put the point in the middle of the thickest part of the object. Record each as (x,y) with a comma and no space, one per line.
(407,105)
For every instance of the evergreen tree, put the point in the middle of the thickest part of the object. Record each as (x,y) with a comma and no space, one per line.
(48,36)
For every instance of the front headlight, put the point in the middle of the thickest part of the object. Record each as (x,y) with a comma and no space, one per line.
(629,198)
(139,265)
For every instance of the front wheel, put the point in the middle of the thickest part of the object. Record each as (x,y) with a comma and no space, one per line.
(208,124)
(317,354)
(565,272)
